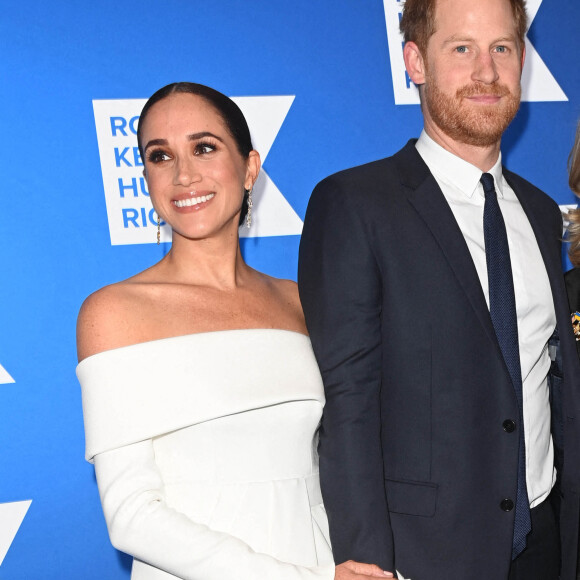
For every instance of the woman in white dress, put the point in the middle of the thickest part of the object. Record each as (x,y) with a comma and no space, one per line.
(201,394)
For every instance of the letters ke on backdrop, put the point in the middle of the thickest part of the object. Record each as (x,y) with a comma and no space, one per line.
(131,222)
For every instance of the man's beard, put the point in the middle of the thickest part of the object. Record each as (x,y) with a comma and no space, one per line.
(473,124)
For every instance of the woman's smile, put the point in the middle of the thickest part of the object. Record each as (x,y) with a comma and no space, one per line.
(195,201)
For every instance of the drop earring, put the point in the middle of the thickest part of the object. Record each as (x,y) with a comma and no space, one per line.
(249,214)
(158,229)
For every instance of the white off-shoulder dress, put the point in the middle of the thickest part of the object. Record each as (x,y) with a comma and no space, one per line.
(205,454)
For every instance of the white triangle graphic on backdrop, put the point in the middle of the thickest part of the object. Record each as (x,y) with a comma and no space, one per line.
(265,116)
(5,378)
(272,215)
(11,516)
(538,83)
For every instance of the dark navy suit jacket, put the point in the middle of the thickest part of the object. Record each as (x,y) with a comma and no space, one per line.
(415,460)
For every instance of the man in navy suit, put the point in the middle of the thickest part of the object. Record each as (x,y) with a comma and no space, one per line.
(433,293)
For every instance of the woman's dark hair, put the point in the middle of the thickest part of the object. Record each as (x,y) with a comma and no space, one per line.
(230,113)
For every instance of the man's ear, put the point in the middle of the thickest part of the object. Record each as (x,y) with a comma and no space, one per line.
(414,62)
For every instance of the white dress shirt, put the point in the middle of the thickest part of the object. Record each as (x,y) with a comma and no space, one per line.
(459,182)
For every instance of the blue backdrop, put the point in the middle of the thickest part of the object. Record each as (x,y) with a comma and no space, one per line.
(337,66)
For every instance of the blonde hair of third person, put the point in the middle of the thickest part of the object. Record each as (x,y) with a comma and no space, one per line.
(574,215)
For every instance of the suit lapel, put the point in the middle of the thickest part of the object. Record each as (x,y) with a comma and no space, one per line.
(426,197)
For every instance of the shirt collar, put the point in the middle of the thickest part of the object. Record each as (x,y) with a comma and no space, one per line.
(455,171)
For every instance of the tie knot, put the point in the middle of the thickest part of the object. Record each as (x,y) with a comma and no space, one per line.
(487,182)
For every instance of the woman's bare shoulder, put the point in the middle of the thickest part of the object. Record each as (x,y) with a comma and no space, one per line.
(286,289)
(286,303)
(107,319)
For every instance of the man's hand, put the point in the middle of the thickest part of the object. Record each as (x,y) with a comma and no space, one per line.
(352,570)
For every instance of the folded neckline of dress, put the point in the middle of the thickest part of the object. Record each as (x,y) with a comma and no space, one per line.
(191,335)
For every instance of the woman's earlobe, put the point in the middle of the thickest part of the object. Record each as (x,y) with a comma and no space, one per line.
(254,165)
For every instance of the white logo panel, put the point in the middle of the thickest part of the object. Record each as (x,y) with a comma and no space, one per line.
(11,516)
(538,83)
(5,378)
(406,92)
(132,219)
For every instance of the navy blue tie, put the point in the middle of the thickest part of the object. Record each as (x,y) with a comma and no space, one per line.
(502,308)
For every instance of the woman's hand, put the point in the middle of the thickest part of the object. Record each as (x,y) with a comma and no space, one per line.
(352,570)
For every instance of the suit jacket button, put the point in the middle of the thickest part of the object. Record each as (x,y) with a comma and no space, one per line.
(509,426)
(507,505)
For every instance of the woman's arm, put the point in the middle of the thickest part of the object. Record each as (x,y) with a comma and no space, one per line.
(141,524)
